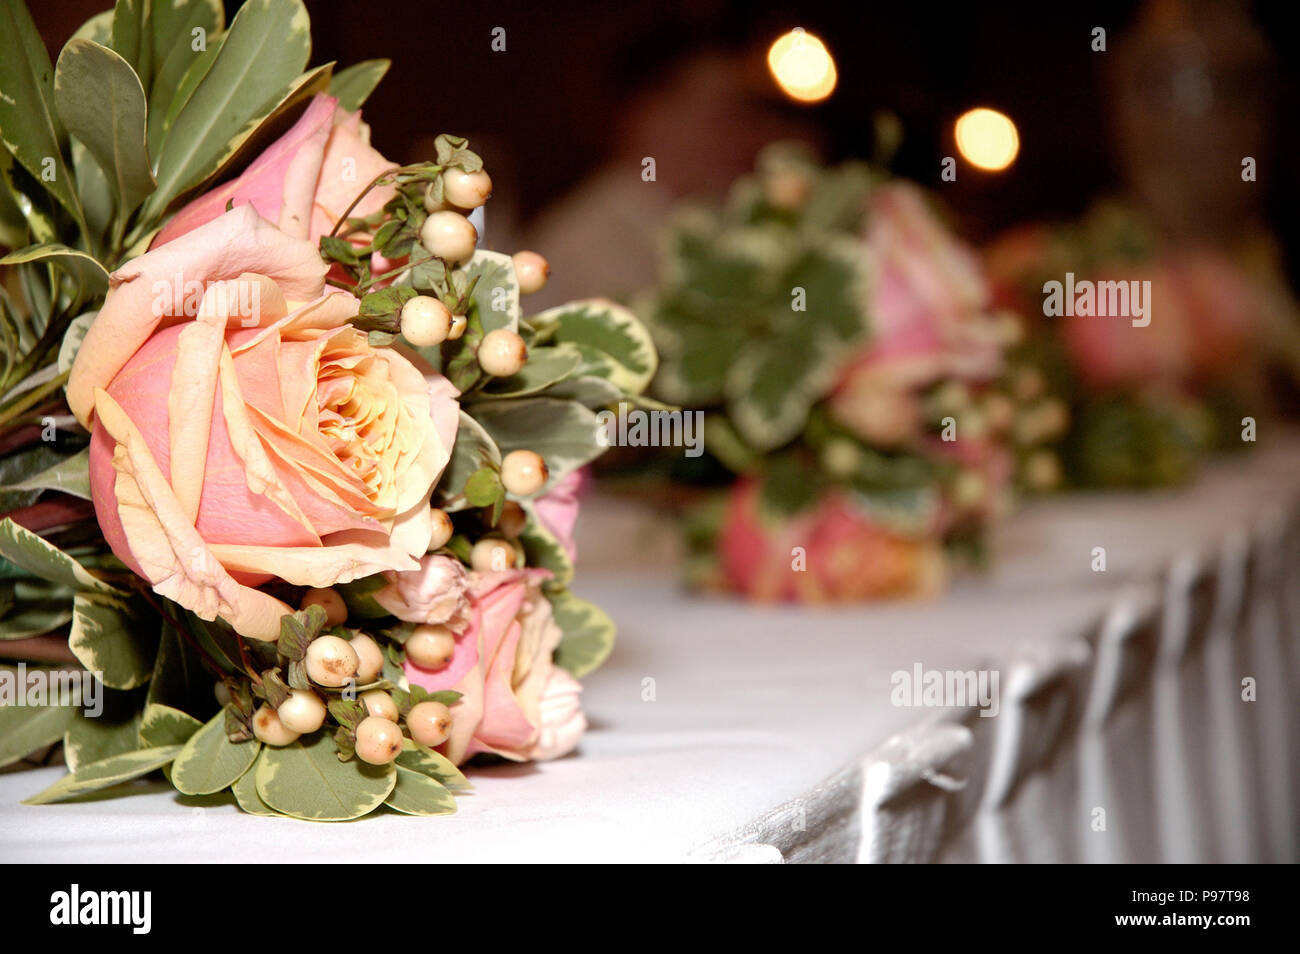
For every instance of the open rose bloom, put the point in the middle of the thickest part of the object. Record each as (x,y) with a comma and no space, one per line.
(259,437)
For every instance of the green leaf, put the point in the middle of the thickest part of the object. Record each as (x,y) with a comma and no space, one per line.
(174,40)
(774,383)
(26,729)
(94,190)
(25,549)
(68,475)
(588,390)
(305,779)
(163,725)
(28,126)
(264,52)
(609,330)
(90,276)
(245,789)
(110,639)
(353,85)
(94,739)
(545,367)
(210,762)
(437,766)
(179,679)
(542,549)
(483,488)
(417,794)
(106,773)
(588,633)
(102,103)
(16,469)
(39,607)
(474,448)
(497,290)
(131,37)
(563,432)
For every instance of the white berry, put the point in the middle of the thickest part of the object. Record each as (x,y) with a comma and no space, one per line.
(370,658)
(532,271)
(502,353)
(523,472)
(336,611)
(426,322)
(466,190)
(491,555)
(458,326)
(379,740)
(513,519)
(302,712)
(430,646)
(331,661)
(379,703)
(442,529)
(268,727)
(429,722)
(449,236)
(430,203)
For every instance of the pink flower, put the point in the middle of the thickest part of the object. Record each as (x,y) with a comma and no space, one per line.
(512,703)
(304,181)
(437,593)
(256,434)
(557,509)
(846,555)
(931,320)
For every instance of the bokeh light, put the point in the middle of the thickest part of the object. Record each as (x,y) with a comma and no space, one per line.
(802,66)
(987,139)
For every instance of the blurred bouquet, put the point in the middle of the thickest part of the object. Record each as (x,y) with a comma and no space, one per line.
(299,558)
(1155,384)
(856,378)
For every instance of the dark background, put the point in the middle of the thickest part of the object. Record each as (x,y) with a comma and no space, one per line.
(547,111)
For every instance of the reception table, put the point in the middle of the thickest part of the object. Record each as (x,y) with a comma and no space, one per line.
(729,732)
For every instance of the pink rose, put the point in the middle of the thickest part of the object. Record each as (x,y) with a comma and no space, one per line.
(848,556)
(304,181)
(503,667)
(436,593)
(931,320)
(557,509)
(243,429)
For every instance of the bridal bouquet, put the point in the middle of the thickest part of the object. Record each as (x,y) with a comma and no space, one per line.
(857,381)
(1165,353)
(287,479)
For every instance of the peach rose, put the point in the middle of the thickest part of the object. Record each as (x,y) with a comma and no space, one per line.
(848,556)
(304,181)
(513,703)
(243,430)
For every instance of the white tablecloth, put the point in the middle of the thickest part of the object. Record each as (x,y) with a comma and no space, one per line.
(713,719)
